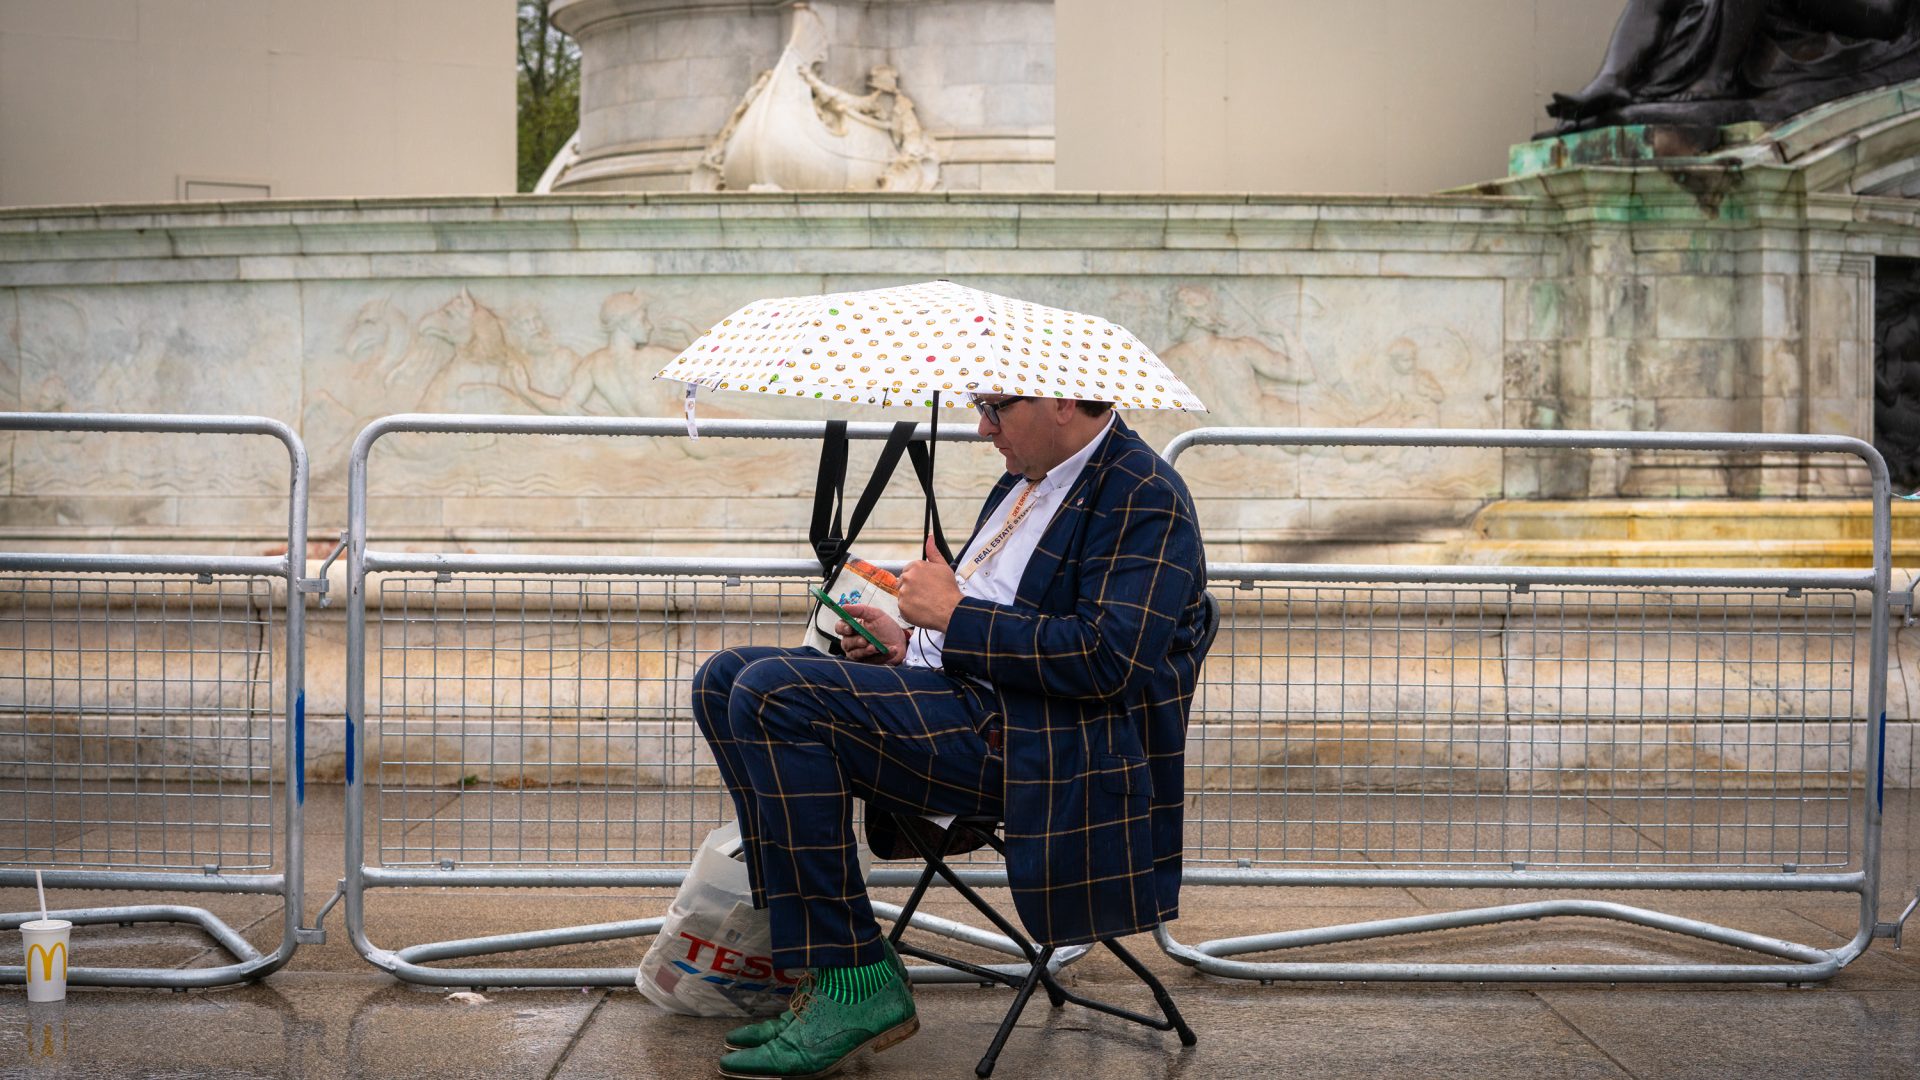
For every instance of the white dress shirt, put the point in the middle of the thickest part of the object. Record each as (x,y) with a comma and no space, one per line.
(998,578)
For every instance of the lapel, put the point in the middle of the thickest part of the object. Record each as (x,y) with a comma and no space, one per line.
(1069,518)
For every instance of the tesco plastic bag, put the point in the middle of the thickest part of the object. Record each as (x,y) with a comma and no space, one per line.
(713,956)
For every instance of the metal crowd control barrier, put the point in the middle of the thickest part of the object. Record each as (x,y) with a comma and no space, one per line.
(592,660)
(111,665)
(1566,729)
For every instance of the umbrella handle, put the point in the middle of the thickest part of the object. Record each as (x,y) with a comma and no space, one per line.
(933,442)
(923,467)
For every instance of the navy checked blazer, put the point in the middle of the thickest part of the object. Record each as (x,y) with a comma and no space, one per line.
(1094,664)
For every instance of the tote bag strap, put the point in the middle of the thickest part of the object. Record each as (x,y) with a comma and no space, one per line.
(897,440)
(830,540)
(829,492)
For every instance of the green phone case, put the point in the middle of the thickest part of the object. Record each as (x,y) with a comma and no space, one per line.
(821,594)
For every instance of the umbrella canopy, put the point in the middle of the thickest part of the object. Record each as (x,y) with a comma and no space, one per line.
(917,344)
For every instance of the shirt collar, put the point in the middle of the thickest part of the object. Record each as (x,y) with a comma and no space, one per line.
(1065,473)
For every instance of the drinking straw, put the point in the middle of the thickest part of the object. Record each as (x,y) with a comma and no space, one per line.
(42,888)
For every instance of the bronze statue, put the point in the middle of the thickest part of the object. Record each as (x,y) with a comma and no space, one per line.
(1724,61)
(1896,368)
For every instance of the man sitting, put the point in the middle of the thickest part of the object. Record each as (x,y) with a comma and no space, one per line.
(1045,680)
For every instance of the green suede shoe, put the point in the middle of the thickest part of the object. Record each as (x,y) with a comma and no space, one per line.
(823,1034)
(762,1032)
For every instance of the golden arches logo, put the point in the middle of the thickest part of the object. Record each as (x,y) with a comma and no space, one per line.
(46,956)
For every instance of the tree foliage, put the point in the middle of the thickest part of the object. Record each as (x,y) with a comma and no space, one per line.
(549,90)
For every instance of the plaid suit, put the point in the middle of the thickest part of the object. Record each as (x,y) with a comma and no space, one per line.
(1092,668)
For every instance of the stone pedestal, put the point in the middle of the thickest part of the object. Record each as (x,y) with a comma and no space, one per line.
(658,81)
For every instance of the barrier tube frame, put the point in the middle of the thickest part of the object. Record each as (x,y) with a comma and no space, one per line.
(412,963)
(1804,963)
(251,964)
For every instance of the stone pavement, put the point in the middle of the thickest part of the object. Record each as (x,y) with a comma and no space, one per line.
(330,1014)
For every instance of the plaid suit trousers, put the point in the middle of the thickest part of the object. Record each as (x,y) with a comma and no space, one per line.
(798,736)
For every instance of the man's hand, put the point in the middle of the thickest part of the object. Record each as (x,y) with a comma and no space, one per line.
(880,625)
(928,593)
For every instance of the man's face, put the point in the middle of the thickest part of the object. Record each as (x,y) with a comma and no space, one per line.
(1024,435)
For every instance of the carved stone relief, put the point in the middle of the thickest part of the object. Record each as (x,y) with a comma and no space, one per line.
(198,348)
(1255,364)
(1293,353)
(473,353)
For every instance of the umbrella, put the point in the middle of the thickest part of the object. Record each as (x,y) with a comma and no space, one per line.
(912,345)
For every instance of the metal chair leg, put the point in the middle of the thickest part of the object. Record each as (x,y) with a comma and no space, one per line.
(913,903)
(1020,999)
(1167,1007)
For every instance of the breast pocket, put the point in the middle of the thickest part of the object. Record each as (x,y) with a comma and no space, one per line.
(1121,774)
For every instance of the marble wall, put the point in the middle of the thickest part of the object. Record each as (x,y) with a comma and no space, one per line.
(1462,311)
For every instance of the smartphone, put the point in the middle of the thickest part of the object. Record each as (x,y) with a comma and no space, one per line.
(821,594)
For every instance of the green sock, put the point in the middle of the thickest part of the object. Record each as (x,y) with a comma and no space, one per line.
(852,985)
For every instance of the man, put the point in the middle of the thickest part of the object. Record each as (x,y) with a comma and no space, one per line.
(1046,680)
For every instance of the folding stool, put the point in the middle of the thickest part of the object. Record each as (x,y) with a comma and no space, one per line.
(987,828)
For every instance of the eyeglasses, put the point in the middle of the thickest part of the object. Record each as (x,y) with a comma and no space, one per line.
(992,409)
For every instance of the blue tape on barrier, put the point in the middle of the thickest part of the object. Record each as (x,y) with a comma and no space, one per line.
(300,748)
(1880,780)
(349,749)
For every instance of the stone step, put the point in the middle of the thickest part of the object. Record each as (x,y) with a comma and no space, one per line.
(1780,554)
(1686,532)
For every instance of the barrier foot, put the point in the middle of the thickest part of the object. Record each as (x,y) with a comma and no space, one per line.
(1893,929)
(252,964)
(1804,963)
(317,933)
(412,963)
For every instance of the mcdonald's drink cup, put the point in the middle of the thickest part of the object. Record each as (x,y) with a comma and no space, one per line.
(46,944)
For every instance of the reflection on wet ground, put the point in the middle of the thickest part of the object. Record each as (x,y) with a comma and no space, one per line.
(332,1014)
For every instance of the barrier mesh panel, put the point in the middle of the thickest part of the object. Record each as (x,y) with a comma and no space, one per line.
(532,721)
(1478,727)
(143,713)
